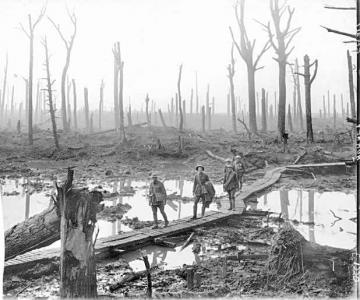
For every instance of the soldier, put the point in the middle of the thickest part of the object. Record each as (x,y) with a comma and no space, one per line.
(200,191)
(157,197)
(239,167)
(231,183)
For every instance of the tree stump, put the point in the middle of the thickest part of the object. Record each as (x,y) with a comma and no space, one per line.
(77,257)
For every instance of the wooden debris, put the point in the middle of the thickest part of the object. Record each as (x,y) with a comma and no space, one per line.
(187,242)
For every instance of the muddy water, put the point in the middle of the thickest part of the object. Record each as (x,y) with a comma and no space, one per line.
(325,218)
(22,198)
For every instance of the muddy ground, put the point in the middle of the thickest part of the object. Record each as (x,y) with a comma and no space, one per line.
(99,157)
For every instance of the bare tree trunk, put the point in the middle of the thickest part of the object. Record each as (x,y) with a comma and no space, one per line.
(4,85)
(203,118)
(347,109)
(101,102)
(129,117)
(162,119)
(181,124)
(290,125)
(308,80)
(282,97)
(184,113)
(298,92)
(176,110)
(30,87)
(191,101)
(328,109)
(50,97)
(197,94)
(120,65)
(37,105)
(351,85)
(228,104)
(208,107)
(294,105)
(68,88)
(147,110)
(172,112)
(91,123)
(263,111)
(116,88)
(320,113)
(324,106)
(231,95)
(342,106)
(75,112)
(77,256)
(12,102)
(334,107)
(213,105)
(86,107)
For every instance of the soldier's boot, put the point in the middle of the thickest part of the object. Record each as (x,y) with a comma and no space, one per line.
(230,200)
(194,211)
(203,209)
(166,220)
(155,220)
(233,203)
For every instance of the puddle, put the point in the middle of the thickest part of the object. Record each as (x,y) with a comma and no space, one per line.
(318,209)
(169,259)
(22,198)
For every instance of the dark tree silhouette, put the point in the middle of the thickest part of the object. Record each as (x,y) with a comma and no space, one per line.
(246,50)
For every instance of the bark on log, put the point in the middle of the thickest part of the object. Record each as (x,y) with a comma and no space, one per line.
(39,231)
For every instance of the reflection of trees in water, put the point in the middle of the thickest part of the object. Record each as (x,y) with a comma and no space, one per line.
(311,216)
(181,188)
(284,202)
(120,201)
(27,205)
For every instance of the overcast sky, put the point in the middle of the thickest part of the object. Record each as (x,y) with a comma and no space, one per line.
(157,36)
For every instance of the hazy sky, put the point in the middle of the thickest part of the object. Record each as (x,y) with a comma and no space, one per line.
(156,36)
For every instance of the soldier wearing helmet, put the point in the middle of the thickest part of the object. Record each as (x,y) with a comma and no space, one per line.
(157,199)
(202,190)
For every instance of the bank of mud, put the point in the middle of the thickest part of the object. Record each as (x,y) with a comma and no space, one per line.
(220,272)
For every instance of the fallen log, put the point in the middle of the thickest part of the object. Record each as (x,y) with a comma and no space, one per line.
(187,242)
(129,278)
(39,231)
(160,242)
(300,157)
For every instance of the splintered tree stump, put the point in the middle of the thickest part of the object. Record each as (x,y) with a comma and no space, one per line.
(77,257)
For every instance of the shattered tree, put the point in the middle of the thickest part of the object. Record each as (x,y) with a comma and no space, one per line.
(284,37)
(68,45)
(49,84)
(77,224)
(231,97)
(30,35)
(246,51)
(181,124)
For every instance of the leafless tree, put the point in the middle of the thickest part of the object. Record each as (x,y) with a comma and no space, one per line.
(2,103)
(75,112)
(101,102)
(246,50)
(49,90)
(68,45)
(231,72)
(284,37)
(181,123)
(30,34)
(308,80)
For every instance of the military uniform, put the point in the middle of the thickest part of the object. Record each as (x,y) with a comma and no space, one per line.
(231,184)
(239,167)
(203,191)
(157,194)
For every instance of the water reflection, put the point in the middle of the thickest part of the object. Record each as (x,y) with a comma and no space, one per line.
(312,212)
(22,198)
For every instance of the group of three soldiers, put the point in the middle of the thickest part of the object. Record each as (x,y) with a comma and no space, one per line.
(203,190)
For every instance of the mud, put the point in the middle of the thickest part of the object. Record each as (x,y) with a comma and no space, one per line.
(99,158)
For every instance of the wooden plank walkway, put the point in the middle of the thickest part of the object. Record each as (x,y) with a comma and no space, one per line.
(134,239)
